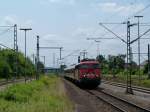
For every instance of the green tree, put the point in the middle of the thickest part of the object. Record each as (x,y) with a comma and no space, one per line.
(116,63)
(7,64)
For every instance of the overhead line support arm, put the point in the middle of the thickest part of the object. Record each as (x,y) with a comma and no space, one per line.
(112,32)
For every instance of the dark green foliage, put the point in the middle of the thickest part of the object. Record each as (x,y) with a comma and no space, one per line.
(5,69)
(41,67)
(8,67)
(103,63)
(146,67)
(113,65)
(116,62)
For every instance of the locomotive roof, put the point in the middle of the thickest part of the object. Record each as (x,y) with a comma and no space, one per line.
(84,62)
(89,62)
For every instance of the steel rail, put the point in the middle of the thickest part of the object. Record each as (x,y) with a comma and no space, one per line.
(6,82)
(121,100)
(104,100)
(125,101)
(136,88)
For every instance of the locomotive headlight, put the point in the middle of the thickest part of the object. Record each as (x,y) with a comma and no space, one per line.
(97,75)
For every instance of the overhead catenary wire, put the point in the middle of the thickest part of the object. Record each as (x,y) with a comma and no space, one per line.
(139,11)
(140,36)
(112,32)
(75,51)
(114,23)
(5,31)
(6,46)
(146,7)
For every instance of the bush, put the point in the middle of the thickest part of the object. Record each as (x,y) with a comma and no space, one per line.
(44,95)
(7,64)
(5,69)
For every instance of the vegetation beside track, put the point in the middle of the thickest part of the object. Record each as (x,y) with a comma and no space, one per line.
(8,58)
(45,95)
(113,68)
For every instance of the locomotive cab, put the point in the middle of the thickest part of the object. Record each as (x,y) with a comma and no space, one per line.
(89,73)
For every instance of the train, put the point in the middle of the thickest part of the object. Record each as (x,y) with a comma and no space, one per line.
(86,73)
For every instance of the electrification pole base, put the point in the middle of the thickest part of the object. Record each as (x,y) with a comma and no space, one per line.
(129,90)
(148,75)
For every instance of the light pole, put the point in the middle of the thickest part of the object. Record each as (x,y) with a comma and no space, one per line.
(25,30)
(139,50)
(97,41)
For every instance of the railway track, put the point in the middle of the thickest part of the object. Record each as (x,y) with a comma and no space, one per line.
(7,82)
(119,104)
(136,88)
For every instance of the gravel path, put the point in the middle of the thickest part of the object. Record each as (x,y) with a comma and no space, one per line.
(85,102)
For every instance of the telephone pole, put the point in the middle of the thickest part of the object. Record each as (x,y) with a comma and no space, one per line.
(139,50)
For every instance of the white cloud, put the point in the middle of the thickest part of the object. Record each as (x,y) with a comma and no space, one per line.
(9,20)
(86,32)
(13,19)
(112,7)
(53,39)
(49,37)
(28,23)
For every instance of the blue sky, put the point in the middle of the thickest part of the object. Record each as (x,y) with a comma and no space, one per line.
(68,23)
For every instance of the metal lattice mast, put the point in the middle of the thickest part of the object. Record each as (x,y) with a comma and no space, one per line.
(129,59)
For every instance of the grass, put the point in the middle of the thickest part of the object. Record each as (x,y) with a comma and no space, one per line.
(45,95)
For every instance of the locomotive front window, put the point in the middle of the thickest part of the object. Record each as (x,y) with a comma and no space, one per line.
(96,66)
(87,66)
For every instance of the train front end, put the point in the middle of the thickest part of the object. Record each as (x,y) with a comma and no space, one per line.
(89,73)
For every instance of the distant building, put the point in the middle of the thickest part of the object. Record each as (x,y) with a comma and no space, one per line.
(51,70)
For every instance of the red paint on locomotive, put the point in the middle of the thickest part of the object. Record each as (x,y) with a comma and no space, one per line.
(89,69)
(86,73)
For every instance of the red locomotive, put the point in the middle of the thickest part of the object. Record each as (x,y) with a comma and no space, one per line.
(86,73)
